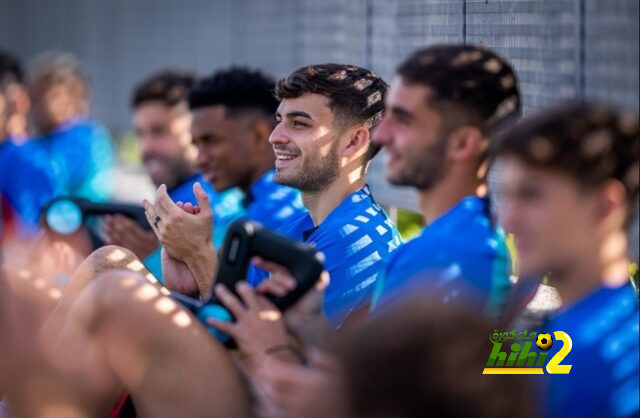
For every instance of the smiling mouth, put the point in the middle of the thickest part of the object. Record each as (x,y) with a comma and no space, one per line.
(284,159)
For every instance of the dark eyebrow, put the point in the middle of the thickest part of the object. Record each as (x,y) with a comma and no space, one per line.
(399,111)
(299,113)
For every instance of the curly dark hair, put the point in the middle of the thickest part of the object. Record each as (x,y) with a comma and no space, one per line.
(238,89)
(592,143)
(356,95)
(169,87)
(470,78)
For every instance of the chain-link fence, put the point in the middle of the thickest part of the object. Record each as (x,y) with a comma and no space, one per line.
(561,49)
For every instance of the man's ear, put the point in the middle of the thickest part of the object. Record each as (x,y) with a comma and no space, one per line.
(357,142)
(611,204)
(466,143)
(261,130)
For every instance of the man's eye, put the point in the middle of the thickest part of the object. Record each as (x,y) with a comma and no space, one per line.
(298,124)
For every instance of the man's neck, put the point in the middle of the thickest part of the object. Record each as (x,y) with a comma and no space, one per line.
(607,267)
(321,204)
(437,200)
(259,171)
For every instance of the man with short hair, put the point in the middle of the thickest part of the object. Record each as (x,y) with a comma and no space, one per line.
(232,119)
(162,123)
(323,148)
(569,184)
(442,103)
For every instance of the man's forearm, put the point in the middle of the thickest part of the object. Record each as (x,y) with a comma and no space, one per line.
(203,263)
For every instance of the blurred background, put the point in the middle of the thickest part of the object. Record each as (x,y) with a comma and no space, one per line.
(561,49)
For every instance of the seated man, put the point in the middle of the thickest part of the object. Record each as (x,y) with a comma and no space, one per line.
(442,103)
(569,184)
(232,119)
(75,149)
(323,148)
(162,123)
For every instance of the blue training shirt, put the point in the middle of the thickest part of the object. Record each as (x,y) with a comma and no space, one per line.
(604,376)
(357,239)
(26,186)
(270,203)
(80,157)
(460,254)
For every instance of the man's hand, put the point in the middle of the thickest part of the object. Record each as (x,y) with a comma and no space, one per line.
(122,231)
(183,234)
(305,392)
(308,309)
(178,277)
(258,326)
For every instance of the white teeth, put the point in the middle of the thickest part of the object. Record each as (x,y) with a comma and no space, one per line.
(286,157)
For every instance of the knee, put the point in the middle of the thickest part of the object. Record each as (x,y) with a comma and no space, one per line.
(120,292)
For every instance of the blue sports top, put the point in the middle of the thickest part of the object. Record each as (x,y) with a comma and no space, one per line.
(25,185)
(460,254)
(357,239)
(80,157)
(604,375)
(270,203)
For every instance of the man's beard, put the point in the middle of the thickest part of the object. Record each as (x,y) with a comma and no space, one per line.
(425,168)
(177,171)
(314,174)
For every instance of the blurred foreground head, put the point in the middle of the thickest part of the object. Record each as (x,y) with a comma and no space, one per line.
(426,359)
(569,184)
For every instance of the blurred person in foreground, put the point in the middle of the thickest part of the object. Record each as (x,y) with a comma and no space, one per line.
(17,97)
(162,122)
(75,149)
(25,187)
(569,186)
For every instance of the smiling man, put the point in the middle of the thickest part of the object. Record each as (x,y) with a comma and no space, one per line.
(443,102)
(323,147)
(162,123)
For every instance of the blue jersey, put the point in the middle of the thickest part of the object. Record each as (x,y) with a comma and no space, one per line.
(80,157)
(462,254)
(604,375)
(270,203)
(357,239)
(25,186)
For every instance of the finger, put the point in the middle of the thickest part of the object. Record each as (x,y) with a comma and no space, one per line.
(196,210)
(202,197)
(180,204)
(229,300)
(224,326)
(272,287)
(247,294)
(164,205)
(323,281)
(271,267)
(150,213)
(188,207)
